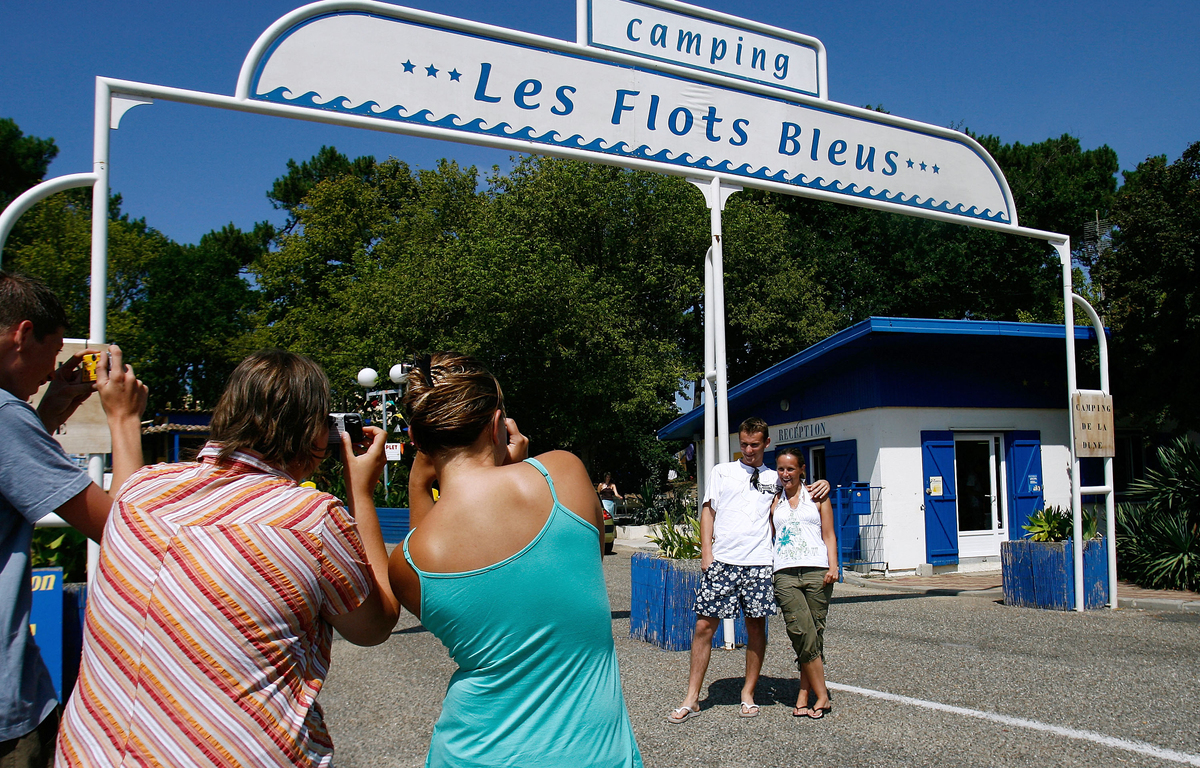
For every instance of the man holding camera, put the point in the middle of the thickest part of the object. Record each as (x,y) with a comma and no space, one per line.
(37,478)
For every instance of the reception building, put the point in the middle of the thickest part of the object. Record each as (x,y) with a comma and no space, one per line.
(951,432)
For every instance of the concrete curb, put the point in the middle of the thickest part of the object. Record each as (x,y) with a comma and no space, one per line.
(1158,604)
(854,579)
(633,545)
(1139,603)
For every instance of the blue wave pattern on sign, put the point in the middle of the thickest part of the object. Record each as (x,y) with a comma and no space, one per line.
(454,122)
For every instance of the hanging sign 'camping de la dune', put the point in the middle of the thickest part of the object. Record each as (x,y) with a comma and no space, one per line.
(509,89)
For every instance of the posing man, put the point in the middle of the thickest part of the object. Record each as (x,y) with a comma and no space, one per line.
(735,546)
(37,478)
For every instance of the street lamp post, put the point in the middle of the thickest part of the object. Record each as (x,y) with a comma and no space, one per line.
(367,378)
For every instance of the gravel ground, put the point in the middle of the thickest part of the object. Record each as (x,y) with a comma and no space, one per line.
(1128,675)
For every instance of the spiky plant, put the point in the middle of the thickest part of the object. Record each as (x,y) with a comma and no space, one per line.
(1158,539)
(1057,524)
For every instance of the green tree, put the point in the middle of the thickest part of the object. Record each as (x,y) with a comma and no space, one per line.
(23,160)
(192,320)
(1151,291)
(54,241)
(581,285)
(405,262)
(874,263)
(288,191)
(776,304)
(183,314)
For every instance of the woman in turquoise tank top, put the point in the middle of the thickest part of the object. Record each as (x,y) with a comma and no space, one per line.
(505,570)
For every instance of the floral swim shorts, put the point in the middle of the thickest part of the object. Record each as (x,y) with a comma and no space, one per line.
(724,588)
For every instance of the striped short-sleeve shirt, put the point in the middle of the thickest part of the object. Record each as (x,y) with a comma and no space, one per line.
(206,640)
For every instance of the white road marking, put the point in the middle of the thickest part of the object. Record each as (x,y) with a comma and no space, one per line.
(1140,747)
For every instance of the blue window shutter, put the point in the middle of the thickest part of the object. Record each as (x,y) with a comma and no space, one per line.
(841,463)
(941,512)
(1024,461)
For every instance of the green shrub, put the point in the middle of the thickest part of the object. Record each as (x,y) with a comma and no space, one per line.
(1158,538)
(64,548)
(679,537)
(329,478)
(655,505)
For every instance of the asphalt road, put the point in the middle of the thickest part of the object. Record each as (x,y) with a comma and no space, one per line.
(1030,687)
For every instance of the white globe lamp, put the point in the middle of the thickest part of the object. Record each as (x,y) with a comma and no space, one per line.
(399,373)
(367,377)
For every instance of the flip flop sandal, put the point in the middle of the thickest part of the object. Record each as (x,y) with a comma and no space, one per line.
(800,711)
(681,715)
(816,713)
(748,710)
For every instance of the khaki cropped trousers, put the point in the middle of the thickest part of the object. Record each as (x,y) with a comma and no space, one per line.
(803,597)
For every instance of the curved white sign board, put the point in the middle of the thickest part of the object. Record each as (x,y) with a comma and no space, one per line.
(508,89)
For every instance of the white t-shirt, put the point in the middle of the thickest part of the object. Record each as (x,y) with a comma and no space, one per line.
(742,533)
(798,541)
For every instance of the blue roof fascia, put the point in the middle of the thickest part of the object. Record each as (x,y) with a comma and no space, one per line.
(681,426)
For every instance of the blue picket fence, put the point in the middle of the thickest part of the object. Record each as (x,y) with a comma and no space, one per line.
(661,597)
(393,522)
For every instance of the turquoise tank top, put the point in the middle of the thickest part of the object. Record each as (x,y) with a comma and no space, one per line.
(537,681)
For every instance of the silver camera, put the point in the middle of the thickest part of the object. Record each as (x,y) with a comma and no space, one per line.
(348,423)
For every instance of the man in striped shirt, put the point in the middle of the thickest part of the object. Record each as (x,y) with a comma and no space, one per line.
(209,625)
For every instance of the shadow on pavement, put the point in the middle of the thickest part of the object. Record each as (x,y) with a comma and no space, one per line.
(770,690)
(886,598)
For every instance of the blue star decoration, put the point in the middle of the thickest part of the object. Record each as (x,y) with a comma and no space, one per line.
(935,169)
(431,71)
(455,75)
(409,67)
(923,166)
(910,163)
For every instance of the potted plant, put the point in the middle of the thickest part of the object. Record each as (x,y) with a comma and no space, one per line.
(664,583)
(1039,570)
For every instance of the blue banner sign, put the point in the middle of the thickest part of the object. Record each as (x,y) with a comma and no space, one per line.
(46,621)
(454,79)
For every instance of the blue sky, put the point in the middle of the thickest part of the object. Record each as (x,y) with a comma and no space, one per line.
(1126,74)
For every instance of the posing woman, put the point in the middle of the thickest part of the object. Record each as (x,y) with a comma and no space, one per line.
(505,570)
(805,545)
(220,583)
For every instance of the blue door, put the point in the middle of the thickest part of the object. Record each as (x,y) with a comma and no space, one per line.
(1024,479)
(941,513)
(841,463)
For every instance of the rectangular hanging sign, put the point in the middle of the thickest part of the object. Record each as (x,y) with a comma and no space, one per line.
(497,87)
(1092,418)
(679,34)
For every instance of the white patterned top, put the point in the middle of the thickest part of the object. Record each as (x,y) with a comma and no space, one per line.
(798,541)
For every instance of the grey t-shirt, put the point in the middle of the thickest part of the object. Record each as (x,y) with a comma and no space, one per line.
(36,478)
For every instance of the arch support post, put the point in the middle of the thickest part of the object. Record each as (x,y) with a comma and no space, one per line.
(1109,488)
(716,378)
(36,194)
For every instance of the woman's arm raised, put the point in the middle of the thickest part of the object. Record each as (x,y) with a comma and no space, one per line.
(371,622)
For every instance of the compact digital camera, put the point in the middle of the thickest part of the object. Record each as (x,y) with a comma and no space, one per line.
(349,423)
(87,366)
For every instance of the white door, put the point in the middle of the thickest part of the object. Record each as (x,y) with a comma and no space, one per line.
(979,477)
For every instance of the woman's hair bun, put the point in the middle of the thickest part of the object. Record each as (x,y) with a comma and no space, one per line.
(450,399)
